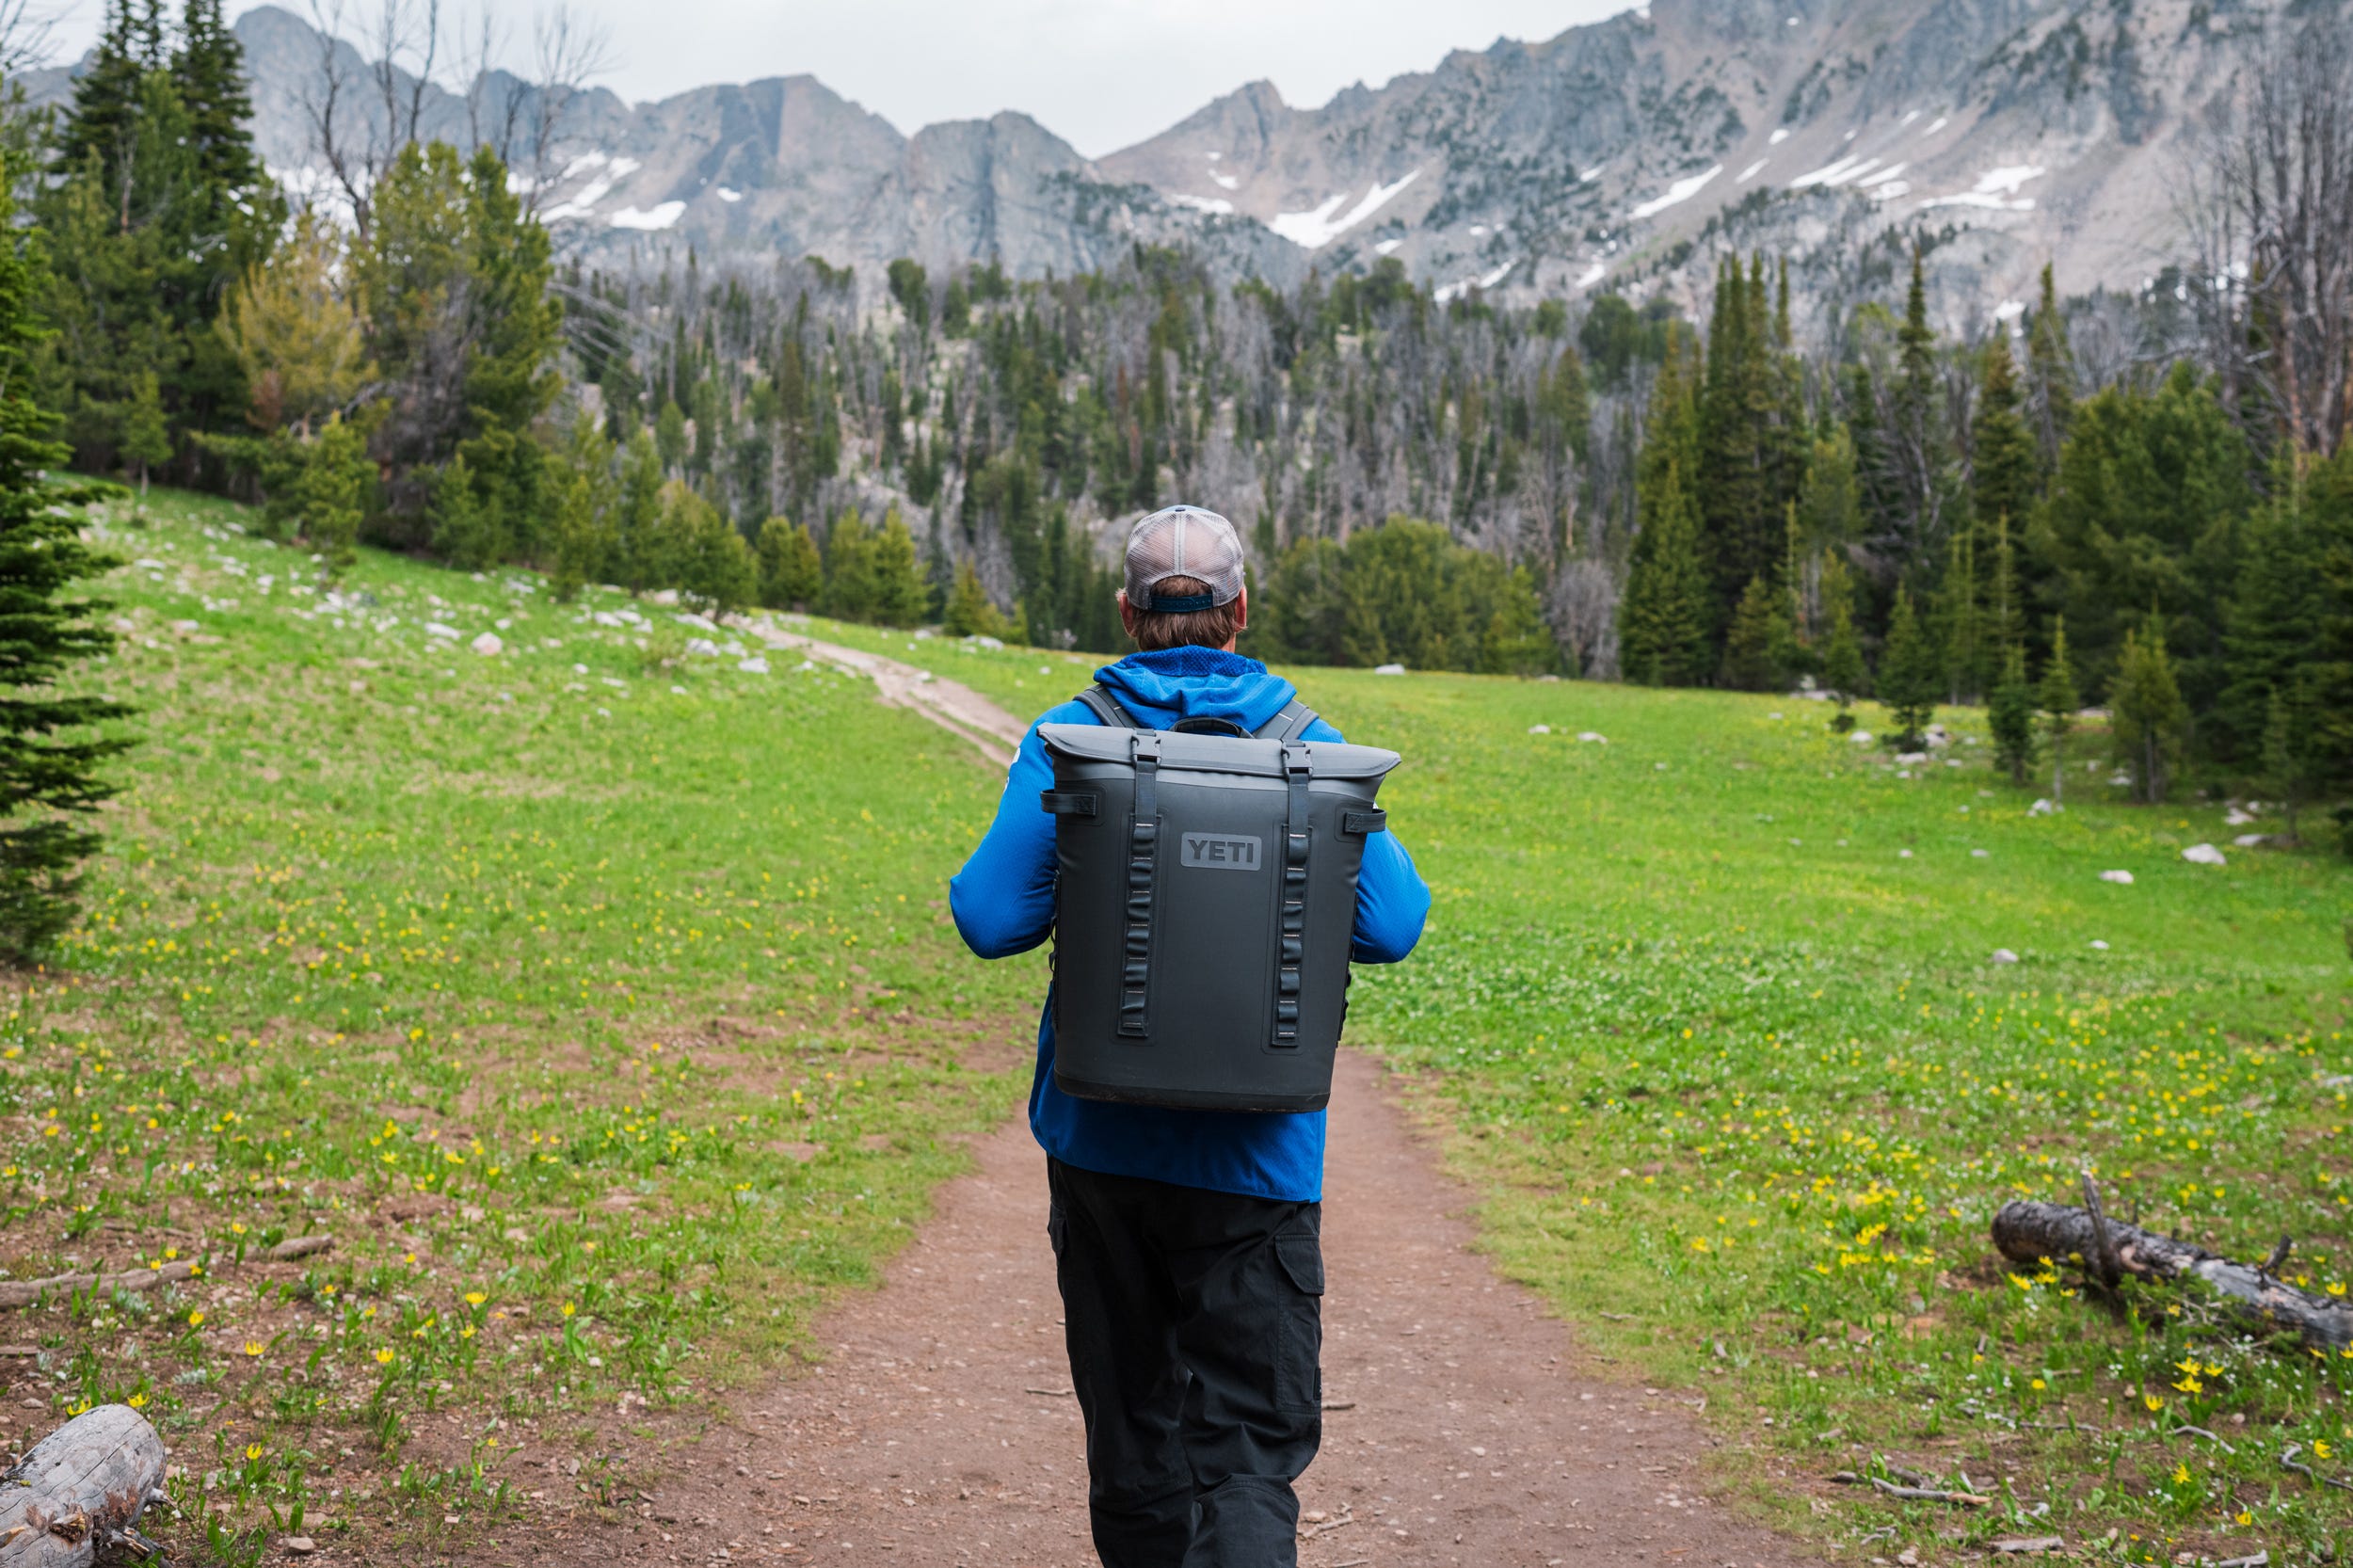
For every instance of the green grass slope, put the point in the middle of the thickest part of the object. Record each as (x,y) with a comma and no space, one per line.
(597,993)
(597,996)
(1713,1006)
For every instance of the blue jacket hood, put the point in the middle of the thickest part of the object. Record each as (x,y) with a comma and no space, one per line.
(1176,683)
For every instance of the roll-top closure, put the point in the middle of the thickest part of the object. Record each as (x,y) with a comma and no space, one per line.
(1184,753)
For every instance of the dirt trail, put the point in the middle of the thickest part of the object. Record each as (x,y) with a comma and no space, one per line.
(940,1432)
(1465,1428)
(950,705)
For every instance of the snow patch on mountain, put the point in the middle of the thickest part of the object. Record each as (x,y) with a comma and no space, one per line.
(1318,228)
(661,216)
(1678,193)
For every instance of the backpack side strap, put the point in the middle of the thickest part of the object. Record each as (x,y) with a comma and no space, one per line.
(1288,725)
(1106,709)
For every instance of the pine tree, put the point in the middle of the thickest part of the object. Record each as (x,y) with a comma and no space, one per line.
(1913,438)
(2011,716)
(2004,611)
(1739,520)
(1830,501)
(2005,471)
(1958,609)
(576,536)
(2149,718)
(716,569)
(669,437)
(1662,620)
(1843,671)
(2059,701)
(50,762)
(2271,622)
(1516,641)
(585,537)
(333,493)
(1910,675)
(639,558)
(464,533)
(969,612)
(2287,757)
(791,572)
(900,592)
(2051,375)
(146,434)
(292,332)
(1749,645)
(850,586)
(209,70)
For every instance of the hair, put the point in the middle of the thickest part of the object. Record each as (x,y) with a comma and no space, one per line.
(1163,629)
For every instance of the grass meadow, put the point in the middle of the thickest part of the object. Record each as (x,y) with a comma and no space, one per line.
(597,996)
(1712,1008)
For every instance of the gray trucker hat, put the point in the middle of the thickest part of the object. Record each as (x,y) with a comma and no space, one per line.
(1183,541)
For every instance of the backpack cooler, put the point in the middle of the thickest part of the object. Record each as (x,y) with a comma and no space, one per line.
(1206,901)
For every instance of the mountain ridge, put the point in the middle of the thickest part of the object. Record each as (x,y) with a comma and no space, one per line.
(1626,153)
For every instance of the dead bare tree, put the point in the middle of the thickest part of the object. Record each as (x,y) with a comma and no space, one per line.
(25,38)
(363,111)
(480,48)
(2269,208)
(567,53)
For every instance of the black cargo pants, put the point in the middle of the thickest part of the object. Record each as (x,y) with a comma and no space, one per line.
(1196,1327)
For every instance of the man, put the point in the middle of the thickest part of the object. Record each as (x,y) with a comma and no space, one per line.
(1187,1243)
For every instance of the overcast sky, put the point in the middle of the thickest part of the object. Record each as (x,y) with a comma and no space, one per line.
(1101,73)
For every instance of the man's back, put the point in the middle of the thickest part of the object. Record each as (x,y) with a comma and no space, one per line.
(1188,1244)
(1004,903)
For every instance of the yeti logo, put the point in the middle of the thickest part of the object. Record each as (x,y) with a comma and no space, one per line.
(1221,852)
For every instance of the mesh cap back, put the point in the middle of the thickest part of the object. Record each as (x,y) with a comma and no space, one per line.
(1183,541)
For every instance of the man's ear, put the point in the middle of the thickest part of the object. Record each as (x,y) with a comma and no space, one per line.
(1126,614)
(1241,610)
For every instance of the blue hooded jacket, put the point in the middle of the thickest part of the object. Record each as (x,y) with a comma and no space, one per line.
(1004,903)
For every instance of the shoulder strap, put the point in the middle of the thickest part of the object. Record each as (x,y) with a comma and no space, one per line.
(1288,725)
(1106,707)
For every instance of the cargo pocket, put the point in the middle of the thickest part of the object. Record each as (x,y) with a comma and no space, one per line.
(1299,1324)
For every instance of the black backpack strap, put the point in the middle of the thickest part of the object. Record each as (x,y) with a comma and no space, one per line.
(1106,707)
(1288,725)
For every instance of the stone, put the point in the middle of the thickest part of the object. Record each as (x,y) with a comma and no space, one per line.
(2203,854)
(1860,738)
(488,645)
(301,1546)
(1388,669)
(2122,879)
(2252,840)
(1539,730)
(2237,817)
(2099,946)
(2003,955)
(754,666)
(1593,737)
(2041,808)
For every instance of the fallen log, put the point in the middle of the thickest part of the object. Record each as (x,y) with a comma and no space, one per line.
(24,1292)
(81,1490)
(2029,1234)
